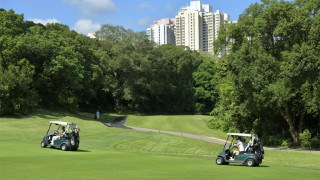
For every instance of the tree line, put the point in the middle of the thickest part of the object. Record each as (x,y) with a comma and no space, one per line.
(269,83)
(121,71)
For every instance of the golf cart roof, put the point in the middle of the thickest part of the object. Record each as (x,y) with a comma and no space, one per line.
(62,123)
(240,134)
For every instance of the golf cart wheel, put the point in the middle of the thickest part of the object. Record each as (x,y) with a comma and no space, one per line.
(64,147)
(250,162)
(43,144)
(220,161)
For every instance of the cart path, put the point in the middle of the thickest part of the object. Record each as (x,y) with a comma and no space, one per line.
(120,121)
(193,136)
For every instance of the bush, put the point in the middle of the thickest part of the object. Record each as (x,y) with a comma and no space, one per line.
(222,120)
(305,138)
(284,143)
(315,142)
(274,140)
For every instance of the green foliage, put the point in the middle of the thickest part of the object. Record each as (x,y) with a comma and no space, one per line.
(273,67)
(273,140)
(315,142)
(11,24)
(222,120)
(178,86)
(15,93)
(284,143)
(144,78)
(120,71)
(205,85)
(305,138)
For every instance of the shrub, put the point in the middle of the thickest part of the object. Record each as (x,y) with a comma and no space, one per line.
(315,142)
(305,138)
(284,143)
(274,140)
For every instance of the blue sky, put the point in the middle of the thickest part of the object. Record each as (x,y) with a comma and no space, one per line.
(87,15)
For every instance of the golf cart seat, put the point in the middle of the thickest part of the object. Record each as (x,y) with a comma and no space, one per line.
(241,152)
(227,152)
(248,145)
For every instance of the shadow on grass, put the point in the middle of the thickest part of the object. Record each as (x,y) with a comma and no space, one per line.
(58,114)
(79,150)
(82,150)
(239,165)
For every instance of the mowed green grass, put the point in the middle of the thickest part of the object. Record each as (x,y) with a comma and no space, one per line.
(193,124)
(111,153)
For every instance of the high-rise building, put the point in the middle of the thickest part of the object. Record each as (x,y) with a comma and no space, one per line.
(208,28)
(188,28)
(197,26)
(219,19)
(162,31)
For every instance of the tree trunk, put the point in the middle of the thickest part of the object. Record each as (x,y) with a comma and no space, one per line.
(301,121)
(117,105)
(290,120)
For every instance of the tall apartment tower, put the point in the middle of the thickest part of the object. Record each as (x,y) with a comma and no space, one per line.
(220,18)
(162,31)
(188,29)
(195,27)
(208,28)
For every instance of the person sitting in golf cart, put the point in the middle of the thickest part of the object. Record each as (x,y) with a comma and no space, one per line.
(241,145)
(61,134)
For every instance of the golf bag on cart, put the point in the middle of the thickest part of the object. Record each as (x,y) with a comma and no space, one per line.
(74,138)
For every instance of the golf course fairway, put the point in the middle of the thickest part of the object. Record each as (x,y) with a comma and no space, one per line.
(113,153)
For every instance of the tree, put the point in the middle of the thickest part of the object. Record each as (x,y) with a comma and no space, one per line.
(179,66)
(274,63)
(58,65)
(16,92)
(126,67)
(205,86)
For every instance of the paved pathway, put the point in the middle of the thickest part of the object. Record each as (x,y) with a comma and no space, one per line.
(120,121)
(193,136)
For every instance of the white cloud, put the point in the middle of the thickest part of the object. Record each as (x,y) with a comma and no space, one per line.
(146,6)
(44,22)
(145,21)
(93,7)
(86,26)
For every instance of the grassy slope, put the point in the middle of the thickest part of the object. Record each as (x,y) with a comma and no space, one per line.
(127,154)
(196,124)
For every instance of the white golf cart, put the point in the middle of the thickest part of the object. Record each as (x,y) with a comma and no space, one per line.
(251,156)
(69,140)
